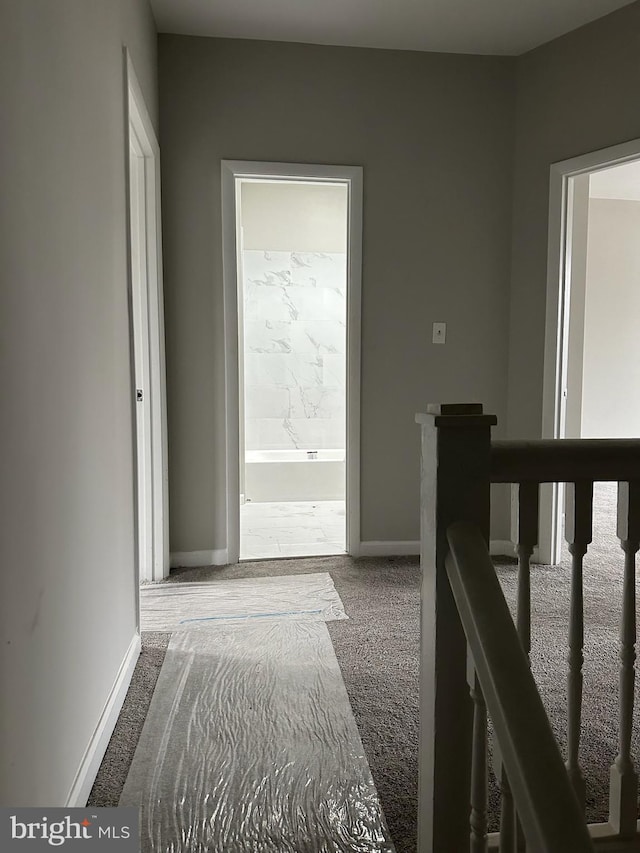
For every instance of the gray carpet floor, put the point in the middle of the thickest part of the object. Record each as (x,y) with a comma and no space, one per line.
(377,650)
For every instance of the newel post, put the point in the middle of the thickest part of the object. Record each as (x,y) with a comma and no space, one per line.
(455,458)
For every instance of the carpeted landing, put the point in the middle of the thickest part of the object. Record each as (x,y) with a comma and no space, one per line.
(378,657)
(377,649)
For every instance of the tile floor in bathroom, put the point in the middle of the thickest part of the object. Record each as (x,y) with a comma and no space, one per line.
(292,529)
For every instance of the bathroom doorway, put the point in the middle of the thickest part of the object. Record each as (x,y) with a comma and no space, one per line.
(295,274)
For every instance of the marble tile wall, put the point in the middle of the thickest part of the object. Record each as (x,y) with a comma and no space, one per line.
(295,350)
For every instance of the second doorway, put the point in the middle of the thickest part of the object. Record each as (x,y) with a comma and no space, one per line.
(292,263)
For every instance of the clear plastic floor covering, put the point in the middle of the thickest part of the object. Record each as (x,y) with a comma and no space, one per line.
(168,606)
(250,745)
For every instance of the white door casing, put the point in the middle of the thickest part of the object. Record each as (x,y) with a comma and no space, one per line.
(232,171)
(147,336)
(559,266)
(140,311)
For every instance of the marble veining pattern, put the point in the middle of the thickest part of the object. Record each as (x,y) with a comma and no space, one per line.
(295,349)
(292,529)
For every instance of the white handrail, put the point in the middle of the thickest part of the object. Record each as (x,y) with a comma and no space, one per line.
(546,803)
(565,460)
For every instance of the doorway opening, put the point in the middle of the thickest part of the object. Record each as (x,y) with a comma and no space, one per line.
(292,320)
(592,361)
(147,337)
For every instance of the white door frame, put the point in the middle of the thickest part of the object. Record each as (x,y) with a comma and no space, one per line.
(557,319)
(352,177)
(140,136)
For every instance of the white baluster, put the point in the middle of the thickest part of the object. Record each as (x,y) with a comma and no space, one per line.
(579,507)
(507,815)
(521,843)
(527,539)
(526,499)
(623,789)
(478,795)
(507,806)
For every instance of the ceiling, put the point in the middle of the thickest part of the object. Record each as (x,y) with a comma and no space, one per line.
(507,27)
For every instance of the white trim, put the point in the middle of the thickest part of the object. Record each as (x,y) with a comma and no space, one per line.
(391,548)
(409,548)
(603,835)
(370,548)
(555,356)
(354,359)
(94,753)
(352,176)
(231,359)
(191,559)
(139,121)
(501,548)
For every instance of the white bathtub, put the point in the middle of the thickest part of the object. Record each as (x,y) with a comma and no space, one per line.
(294,475)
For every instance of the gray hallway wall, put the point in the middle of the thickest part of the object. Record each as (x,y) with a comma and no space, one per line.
(434,134)
(67,585)
(576,94)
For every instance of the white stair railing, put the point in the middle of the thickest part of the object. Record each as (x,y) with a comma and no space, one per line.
(459,464)
(552,820)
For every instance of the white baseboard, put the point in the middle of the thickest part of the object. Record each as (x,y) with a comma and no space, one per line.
(371,548)
(506,548)
(501,548)
(94,753)
(393,548)
(192,559)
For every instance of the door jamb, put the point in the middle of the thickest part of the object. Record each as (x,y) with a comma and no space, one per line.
(352,176)
(137,116)
(556,326)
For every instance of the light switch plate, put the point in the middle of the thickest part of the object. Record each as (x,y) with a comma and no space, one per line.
(439,333)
